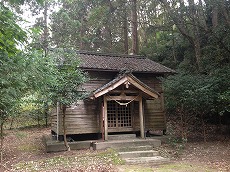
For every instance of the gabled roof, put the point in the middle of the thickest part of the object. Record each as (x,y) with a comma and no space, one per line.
(115,62)
(127,78)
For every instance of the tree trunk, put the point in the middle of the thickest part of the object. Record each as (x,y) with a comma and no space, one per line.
(38,120)
(108,27)
(204,128)
(2,138)
(174,49)
(11,123)
(225,12)
(220,125)
(64,127)
(108,37)
(82,34)
(182,25)
(46,118)
(134,27)
(46,112)
(126,41)
(197,49)
(46,31)
(214,16)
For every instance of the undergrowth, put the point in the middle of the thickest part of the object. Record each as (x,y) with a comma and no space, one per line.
(108,157)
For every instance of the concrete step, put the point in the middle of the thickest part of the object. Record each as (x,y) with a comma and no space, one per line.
(122,137)
(136,154)
(126,143)
(135,148)
(155,160)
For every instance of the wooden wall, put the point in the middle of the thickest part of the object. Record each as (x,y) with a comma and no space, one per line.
(84,117)
(98,79)
(154,112)
(150,81)
(154,115)
(81,118)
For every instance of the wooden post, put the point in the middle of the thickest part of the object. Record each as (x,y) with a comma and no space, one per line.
(105,118)
(141,116)
(102,122)
(163,110)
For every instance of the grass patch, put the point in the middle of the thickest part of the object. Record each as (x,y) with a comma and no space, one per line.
(21,134)
(181,167)
(134,168)
(111,155)
(28,148)
(80,162)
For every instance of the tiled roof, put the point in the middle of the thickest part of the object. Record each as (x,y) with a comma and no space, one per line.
(115,62)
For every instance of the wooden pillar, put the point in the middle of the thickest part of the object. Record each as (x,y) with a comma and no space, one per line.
(141,116)
(105,118)
(163,110)
(102,121)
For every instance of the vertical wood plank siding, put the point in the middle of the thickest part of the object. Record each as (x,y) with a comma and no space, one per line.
(85,117)
(82,118)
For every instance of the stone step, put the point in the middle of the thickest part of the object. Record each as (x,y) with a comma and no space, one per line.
(122,137)
(136,154)
(126,143)
(155,160)
(135,148)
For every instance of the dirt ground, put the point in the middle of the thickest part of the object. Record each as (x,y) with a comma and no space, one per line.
(24,151)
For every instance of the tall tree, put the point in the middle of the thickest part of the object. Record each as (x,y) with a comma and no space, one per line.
(14,78)
(134,27)
(65,86)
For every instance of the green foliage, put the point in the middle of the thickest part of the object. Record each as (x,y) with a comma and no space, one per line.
(198,93)
(90,25)
(12,83)
(68,77)
(10,33)
(193,92)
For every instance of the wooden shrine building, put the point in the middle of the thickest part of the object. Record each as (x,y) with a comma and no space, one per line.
(125,96)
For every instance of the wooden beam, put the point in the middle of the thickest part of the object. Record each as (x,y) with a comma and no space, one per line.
(141,116)
(125,91)
(102,122)
(142,88)
(130,81)
(110,88)
(109,98)
(105,118)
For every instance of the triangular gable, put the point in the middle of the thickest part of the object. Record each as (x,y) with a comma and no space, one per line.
(123,79)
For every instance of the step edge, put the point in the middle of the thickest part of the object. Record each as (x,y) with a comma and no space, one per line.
(148,158)
(145,151)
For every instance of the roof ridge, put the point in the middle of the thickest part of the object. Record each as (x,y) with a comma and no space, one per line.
(111,54)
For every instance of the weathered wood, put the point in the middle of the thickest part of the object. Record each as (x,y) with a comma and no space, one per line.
(150,81)
(112,87)
(105,118)
(102,122)
(124,91)
(143,89)
(134,98)
(86,116)
(122,129)
(141,116)
(83,120)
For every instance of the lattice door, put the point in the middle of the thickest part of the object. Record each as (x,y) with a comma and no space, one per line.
(118,115)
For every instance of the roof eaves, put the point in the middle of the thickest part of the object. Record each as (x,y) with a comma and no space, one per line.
(120,80)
